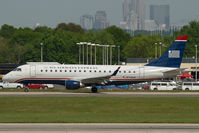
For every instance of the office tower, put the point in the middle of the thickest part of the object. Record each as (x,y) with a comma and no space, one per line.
(132,21)
(160,13)
(138,7)
(86,22)
(150,25)
(101,21)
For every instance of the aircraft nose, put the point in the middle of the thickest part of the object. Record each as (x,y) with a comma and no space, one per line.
(6,78)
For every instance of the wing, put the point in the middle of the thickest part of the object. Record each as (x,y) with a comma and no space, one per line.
(99,80)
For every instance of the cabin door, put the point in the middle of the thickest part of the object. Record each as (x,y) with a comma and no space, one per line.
(32,71)
(141,72)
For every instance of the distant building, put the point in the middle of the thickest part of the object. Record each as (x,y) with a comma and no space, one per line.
(160,13)
(150,25)
(101,21)
(138,7)
(124,25)
(132,21)
(86,21)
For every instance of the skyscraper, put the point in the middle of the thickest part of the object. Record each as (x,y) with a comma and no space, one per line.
(101,21)
(138,7)
(160,13)
(86,22)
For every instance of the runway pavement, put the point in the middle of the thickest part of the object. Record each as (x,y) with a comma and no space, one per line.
(101,94)
(99,128)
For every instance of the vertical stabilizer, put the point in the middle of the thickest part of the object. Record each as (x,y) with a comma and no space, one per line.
(173,56)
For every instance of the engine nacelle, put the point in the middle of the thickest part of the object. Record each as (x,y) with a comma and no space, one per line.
(72,85)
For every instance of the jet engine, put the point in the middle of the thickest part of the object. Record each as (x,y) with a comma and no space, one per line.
(72,85)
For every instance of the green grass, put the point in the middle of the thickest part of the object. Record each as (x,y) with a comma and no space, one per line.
(98,109)
(88,90)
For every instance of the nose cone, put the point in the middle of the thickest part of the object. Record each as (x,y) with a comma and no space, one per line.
(7,78)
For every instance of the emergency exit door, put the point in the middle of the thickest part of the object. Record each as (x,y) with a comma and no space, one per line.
(32,71)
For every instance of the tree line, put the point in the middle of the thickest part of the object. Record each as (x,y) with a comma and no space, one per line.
(21,45)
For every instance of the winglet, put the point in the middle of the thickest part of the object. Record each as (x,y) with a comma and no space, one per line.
(116,71)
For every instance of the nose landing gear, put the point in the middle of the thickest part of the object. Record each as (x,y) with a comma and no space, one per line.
(94,89)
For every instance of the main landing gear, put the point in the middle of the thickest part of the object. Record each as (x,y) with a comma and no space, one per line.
(94,89)
(26,89)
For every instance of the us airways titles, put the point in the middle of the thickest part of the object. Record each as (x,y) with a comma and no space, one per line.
(66,67)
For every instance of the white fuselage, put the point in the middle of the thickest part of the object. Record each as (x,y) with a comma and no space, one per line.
(57,74)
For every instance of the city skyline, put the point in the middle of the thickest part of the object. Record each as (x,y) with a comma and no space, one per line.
(26,13)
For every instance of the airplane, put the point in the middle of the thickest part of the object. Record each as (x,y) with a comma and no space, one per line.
(79,76)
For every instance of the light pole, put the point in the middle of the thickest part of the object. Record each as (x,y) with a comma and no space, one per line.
(196,63)
(87,53)
(83,50)
(79,52)
(95,53)
(160,48)
(111,53)
(156,50)
(41,51)
(107,54)
(118,54)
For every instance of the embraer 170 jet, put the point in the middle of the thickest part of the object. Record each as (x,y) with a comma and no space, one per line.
(78,76)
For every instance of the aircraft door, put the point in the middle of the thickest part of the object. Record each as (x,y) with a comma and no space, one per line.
(141,72)
(32,71)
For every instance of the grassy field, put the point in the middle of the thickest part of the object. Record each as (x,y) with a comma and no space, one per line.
(98,109)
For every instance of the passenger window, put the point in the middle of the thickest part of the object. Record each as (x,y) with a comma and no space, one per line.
(95,71)
(124,71)
(90,71)
(80,71)
(65,70)
(55,70)
(46,70)
(109,71)
(70,71)
(104,71)
(60,70)
(129,71)
(100,71)
(119,71)
(41,70)
(84,70)
(75,71)
(51,70)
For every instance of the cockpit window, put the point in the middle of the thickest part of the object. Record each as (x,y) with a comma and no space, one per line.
(17,69)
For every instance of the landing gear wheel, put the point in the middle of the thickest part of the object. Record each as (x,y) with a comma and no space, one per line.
(94,90)
(26,89)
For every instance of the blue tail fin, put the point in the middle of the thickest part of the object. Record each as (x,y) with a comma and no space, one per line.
(173,56)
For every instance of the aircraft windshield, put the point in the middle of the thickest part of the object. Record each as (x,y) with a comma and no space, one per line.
(17,69)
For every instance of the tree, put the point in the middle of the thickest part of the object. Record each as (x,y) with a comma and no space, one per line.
(7,31)
(70,27)
(192,30)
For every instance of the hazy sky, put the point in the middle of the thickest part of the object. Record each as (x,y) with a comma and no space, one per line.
(52,12)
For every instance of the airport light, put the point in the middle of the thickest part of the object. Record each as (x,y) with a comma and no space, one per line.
(87,52)
(160,48)
(118,55)
(196,76)
(95,53)
(82,43)
(156,50)
(79,52)
(41,51)
(111,55)
(107,50)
